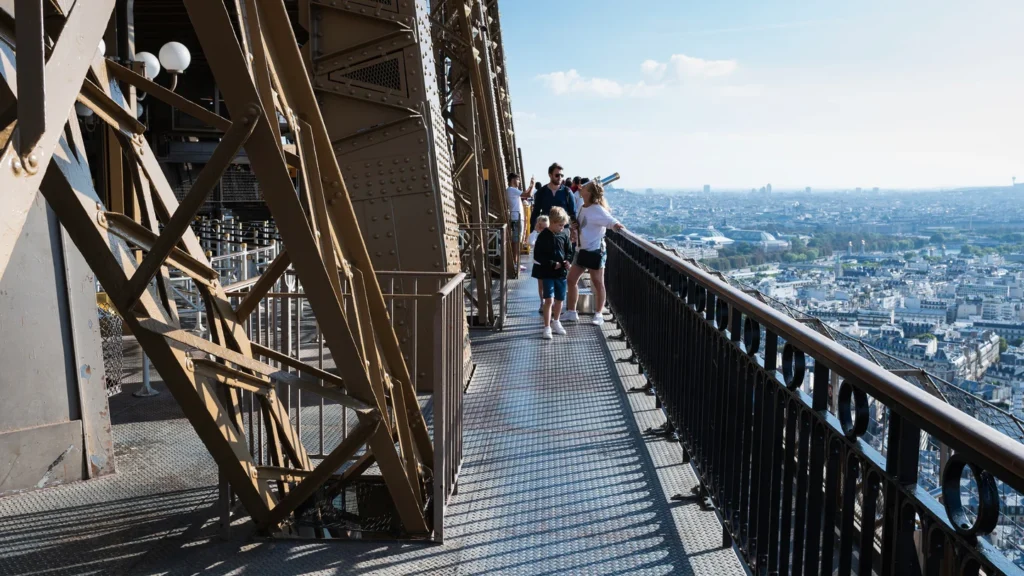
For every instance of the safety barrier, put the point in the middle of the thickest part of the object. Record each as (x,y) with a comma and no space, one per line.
(796,487)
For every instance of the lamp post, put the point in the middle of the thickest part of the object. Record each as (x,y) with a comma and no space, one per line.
(174,58)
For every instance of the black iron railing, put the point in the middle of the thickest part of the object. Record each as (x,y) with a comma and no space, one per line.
(797,488)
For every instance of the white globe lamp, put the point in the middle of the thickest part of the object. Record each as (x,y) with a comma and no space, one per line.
(175,57)
(151,62)
(102,49)
(83,110)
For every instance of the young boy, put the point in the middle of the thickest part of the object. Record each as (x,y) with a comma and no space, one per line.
(542,224)
(551,257)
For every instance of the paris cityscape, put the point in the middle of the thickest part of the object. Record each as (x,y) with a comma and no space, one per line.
(934,278)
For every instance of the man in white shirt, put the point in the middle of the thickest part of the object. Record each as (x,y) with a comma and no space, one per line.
(515,210)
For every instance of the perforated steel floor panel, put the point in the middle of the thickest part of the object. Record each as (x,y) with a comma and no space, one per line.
(557,479)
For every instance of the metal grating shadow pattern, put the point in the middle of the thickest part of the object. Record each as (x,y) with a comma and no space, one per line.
(557,479)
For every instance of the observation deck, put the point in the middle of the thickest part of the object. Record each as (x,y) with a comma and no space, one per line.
(558,478)
(703,430)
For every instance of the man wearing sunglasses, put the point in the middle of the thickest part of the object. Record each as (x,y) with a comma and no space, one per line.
(556,193)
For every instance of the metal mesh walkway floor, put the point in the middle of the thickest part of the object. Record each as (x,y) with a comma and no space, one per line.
(557,479)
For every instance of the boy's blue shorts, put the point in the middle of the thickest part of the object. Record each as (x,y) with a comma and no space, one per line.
(555,287)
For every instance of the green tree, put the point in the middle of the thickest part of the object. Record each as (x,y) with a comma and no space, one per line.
(1003,345)
(909,255)
(938,238)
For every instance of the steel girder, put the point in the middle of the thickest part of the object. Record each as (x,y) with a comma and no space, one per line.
(468,51)
(259,81)
(374,75)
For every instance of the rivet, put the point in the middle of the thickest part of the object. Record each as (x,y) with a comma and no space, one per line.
(16,166)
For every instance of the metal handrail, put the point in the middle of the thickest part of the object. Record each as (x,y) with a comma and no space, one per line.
(454,284)
(993,450)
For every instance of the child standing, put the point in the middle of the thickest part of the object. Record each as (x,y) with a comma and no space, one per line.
(542,224)
(551,257)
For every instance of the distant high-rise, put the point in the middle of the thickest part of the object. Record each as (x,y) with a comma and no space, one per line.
(807,190)
(763,190)
(849,248)
(839,267)
(768,189)
(707,188)
(858,189)
(875,189)
(863,247)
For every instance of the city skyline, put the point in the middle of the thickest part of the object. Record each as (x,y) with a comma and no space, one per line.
(896,95)
(812,190)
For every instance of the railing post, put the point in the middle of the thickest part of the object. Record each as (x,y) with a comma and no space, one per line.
(147,389)
(901,462)
(31,61)
(440,419)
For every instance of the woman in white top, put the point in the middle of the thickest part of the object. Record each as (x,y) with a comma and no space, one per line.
(593,220)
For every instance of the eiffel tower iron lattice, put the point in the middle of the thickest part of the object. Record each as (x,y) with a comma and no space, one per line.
(262,76)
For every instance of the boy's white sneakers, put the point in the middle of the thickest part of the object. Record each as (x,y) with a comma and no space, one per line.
(557,327)
(598,320)
(547,333)
(570,316)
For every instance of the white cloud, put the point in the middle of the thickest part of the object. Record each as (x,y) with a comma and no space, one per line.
(653,70)
(681,67)
(571,82)
(657,76)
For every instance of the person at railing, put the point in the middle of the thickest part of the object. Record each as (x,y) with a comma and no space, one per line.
(577,182)
(593,221)
(515,212)
(542,224)
(556,193)
(551,258)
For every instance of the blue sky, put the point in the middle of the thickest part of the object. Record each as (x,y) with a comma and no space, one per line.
(741,93)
